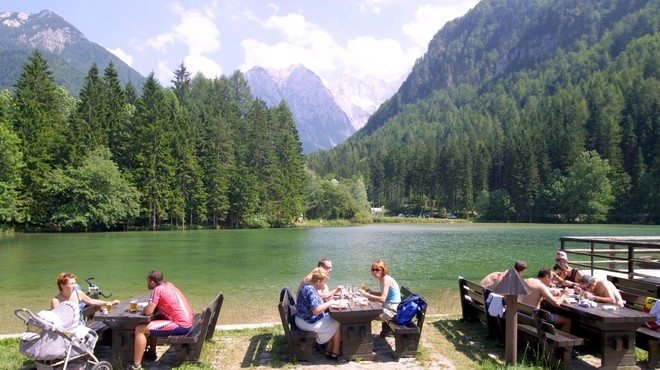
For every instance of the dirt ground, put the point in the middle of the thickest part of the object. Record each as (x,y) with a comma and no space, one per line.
(446,344)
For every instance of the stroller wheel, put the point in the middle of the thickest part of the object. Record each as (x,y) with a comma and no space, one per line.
(102,365)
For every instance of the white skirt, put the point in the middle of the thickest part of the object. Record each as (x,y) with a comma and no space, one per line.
(324,328)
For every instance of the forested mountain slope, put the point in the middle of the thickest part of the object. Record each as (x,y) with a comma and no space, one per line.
(66,49)
(522,110)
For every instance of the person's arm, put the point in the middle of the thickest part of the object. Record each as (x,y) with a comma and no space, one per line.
(150,309)
(555,301)
(322,307)
(54,303)
(95,302)
(380,296)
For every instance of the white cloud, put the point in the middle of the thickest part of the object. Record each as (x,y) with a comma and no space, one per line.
(164,73)
(382,58)
(429,19)
(307,44)
(199,33)
(200,63)
(122,55)
(375,6)
(303,43)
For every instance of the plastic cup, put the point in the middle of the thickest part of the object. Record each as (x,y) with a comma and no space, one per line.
(108,307)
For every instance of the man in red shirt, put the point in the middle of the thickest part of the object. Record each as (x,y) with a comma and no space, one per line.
(176,317)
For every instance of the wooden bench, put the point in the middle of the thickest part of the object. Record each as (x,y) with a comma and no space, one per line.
(536,332)
(189,346)
(406,337)
(475,309)
(634,293)
(300,343)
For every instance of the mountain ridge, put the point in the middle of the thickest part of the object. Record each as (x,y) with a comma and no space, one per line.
(68,52)
(321,123)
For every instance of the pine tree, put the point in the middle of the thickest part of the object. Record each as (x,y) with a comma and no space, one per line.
(40,123)
(153,153)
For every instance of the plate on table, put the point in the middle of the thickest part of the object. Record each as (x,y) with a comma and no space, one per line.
(142,305)
(609,307)
(570,300)
(340,303)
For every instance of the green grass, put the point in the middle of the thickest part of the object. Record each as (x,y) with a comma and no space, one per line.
(465,345)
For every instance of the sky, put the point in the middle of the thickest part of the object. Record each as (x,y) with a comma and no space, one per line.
(333,38)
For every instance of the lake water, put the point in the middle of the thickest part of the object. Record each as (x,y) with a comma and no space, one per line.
(251,266)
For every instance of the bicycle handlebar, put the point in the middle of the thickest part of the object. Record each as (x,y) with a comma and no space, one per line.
(95,287)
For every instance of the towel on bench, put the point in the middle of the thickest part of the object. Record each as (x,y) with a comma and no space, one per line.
(653,308)
(496,305)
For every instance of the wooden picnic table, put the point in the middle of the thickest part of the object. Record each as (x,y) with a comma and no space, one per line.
(355,321)
(610,332)
(123,324)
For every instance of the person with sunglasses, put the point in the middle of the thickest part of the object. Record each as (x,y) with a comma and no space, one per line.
(325,293)
(389,295)
(70,291)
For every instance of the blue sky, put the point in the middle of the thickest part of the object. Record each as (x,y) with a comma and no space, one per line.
(382,38)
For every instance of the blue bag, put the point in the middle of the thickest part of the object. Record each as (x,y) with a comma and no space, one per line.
(407,310)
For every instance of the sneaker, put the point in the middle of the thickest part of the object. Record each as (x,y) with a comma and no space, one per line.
(150,356)
(134,366)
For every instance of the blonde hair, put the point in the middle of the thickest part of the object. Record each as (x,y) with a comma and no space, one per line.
(382,266)
(319,274)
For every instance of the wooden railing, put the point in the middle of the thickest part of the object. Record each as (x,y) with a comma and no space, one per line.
(634,256)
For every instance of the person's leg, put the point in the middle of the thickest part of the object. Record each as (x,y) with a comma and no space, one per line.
(335,342)
(563,322)
(141,334)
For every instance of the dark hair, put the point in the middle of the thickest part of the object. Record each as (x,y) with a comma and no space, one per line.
(155,276)
(520,266)
(543,272)
(559,266)
(322,262)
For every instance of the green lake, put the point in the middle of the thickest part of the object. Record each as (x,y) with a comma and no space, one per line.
(251,266)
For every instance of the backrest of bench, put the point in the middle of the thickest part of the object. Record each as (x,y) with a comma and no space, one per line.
(537,318)
(215,306)
(473,301)
(635,286)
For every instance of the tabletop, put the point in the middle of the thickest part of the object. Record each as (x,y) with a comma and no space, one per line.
(357,311)
(121,312)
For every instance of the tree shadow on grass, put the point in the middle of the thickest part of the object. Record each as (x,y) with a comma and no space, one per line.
(471,339)
(257,348)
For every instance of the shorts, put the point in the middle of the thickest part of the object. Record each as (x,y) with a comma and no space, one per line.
(324,328)
(389,311)
(164,328)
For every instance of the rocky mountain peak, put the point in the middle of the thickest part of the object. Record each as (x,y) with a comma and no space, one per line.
(46,30)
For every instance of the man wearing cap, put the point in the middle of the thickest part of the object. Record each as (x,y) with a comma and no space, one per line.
(566,275)
(491,280)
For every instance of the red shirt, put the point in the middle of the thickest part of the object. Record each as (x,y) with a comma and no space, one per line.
(172,304)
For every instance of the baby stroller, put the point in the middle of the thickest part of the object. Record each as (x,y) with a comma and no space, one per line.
(55,339)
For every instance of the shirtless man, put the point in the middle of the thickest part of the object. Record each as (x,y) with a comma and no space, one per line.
(539,286)
(491,280)
(325,293)
(600,290)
